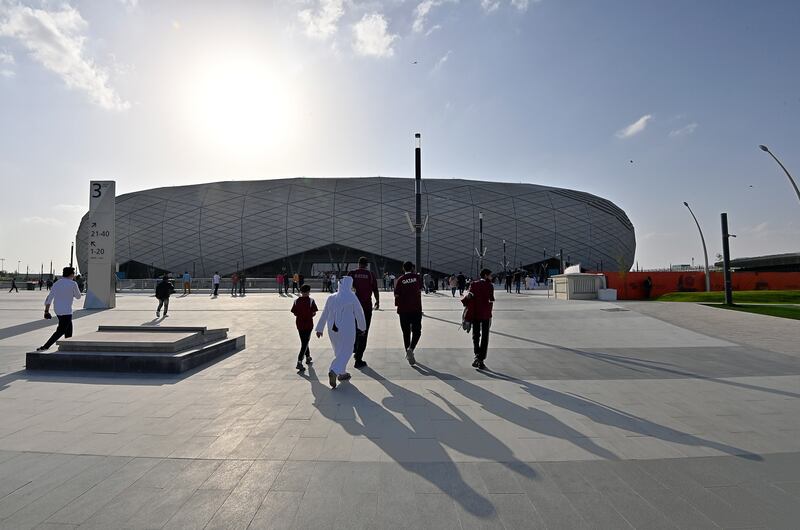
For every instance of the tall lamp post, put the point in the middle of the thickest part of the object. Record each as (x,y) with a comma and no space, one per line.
(703,241)
(794,184)
(418,199)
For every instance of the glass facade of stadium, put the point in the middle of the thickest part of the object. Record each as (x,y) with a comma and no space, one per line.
(310,225)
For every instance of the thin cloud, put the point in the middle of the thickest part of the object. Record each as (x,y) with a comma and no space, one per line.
(435,27)
(55,39)
(422,11)
(322,23)
(684,131)
(6,57)
(70,208)
(372,37)
(634,128)
(440,63)
(521,5)
(47,221)
(6,64)
(490,5)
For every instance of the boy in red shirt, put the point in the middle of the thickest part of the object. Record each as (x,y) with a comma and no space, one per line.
(408,300)
(304,309)
(479,300)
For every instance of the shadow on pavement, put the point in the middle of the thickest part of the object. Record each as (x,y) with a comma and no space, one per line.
(634,363)
(41,323)
(437,466)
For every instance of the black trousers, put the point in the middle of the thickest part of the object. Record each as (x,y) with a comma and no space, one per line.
(480,337)
(64,329)
(411,325)
(361,338)
(305,337)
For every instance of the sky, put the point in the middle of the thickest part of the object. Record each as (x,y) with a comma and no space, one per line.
(646,103)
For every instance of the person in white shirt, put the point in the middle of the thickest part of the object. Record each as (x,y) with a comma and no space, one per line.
(215,282)
(61,296)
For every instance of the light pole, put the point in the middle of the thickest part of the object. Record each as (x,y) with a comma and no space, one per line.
(703,241)
(16,272)
(794,184)
(418,199)
(2,264)
(726,259)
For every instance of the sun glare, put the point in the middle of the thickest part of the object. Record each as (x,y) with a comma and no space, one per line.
(240,104)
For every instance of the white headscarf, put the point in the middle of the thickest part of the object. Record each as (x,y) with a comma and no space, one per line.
(342,303)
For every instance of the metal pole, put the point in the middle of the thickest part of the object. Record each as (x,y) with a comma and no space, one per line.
(703,241)
(505,266)
(561,261)
(71,252)
(480,249)
(794,184)
(726,260)
(418,197)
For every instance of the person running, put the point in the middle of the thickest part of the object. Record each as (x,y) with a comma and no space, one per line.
(479,301)
(366,285)
(304,308)
(453,284)
(343,316)
(408,299)
(61,296)
(187,283)
(234,283)
(215,283)
(163,291)
(462,283)
(13,285)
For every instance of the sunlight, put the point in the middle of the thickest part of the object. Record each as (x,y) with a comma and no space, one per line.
(241,104)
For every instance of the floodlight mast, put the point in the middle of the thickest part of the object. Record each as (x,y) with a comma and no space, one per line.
(703,241)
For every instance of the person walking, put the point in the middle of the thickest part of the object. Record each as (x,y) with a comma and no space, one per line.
(479,301)
(508,278)
(241,284)
(518,280)
(279,281)
(13,285)
(391,281)
(426,281)
(304,308)
(49,284)
(164,289)
(295,282)
(453,284)
(215,283)
(366,286)
(408,300)
(647,287)
(41,283)
(343,316)
(234,283)
(61,296)
(462,283)
(187,283)
(385,281)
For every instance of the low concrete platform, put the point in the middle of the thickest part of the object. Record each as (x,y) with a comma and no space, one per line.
(140,349)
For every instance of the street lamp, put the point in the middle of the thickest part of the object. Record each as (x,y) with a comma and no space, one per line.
(702,240)
(794,184)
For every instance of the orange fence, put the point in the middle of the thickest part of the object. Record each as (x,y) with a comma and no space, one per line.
(630,285)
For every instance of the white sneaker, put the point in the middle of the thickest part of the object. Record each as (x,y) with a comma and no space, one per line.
(410,356)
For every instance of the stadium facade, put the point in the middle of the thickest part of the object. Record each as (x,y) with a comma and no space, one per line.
(310,225)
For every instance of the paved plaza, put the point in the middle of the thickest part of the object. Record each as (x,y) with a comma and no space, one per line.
(592,415)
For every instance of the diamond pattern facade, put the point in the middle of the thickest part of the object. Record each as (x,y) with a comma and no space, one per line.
(228,225)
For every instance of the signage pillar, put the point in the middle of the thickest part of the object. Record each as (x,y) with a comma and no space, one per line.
(100,291)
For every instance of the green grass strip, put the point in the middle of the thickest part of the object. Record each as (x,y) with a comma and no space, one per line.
(744,297)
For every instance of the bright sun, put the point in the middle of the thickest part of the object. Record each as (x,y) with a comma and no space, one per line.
(238,103)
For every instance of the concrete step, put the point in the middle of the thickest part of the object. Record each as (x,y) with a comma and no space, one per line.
(141,362)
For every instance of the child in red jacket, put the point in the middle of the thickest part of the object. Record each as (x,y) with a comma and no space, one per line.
(304,309)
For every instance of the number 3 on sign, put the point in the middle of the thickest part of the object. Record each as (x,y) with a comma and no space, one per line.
(96,192)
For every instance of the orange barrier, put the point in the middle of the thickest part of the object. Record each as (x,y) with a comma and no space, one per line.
(630,285)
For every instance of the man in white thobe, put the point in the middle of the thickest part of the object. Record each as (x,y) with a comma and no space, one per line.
(342,315)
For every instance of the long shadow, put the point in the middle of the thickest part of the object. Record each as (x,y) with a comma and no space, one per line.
(38,324)
(635,363)
(527,417)
(607,415)
(438,469)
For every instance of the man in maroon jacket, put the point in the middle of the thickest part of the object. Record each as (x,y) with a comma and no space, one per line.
(408,299)
(365,284)
(479,301)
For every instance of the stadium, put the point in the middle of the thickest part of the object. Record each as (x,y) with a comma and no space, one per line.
(311,225)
